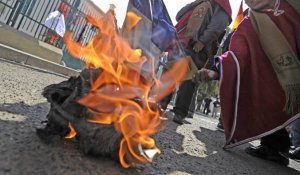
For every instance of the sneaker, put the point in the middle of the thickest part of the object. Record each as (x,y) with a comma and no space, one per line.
(294,154)
(266,153)
(178,119)
(220,127)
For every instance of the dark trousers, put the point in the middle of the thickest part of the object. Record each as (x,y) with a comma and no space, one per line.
(187,88)
(164,103)
(184,98)
(192,107)
(279,141)
(206,110)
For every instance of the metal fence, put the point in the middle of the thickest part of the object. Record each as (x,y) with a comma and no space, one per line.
(29,16)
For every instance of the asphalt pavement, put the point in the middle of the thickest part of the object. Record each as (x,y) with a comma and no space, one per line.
(192,148)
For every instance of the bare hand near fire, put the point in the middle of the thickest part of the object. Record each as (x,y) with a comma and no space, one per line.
(198,46)
(205,75)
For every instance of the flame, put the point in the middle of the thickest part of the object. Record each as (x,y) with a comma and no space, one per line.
(123,95)
(131,21)
(72,132)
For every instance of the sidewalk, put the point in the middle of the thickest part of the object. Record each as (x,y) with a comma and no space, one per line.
(21,57)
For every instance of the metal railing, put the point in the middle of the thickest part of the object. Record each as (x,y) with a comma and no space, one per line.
(29,17)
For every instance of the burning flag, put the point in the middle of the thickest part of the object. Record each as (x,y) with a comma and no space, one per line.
(238,18)
(111,107)
(154,31)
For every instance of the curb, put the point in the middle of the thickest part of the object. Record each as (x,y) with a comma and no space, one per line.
(19,56)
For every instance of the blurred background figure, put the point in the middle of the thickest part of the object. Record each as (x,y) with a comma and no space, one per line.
(216,108)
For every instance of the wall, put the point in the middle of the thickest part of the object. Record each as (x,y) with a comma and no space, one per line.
(21,41)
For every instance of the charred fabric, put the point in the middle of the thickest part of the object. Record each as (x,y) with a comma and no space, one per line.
(93,138)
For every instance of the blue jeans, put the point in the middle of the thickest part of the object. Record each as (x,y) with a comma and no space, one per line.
(296,133)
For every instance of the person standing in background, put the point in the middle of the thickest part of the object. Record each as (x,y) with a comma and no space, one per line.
(200,23)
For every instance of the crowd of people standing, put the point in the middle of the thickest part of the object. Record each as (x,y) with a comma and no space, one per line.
(262,60)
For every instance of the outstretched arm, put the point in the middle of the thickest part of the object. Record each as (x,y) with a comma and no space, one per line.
(238,45)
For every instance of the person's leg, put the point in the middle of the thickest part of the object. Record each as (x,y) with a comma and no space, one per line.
(272,146)
(278,141)
(207,110)
(295,154)
(204,109)
(220,126)
(187,88)
(183,101)
(164,102)
(214,112)
(296,133)
(192,107)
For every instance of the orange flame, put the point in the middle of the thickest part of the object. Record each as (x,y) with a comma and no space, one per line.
(131,21)
(121,95)
(72,132)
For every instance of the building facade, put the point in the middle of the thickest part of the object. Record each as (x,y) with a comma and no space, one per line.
(28,16)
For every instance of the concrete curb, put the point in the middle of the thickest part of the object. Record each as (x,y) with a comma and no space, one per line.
(19,56)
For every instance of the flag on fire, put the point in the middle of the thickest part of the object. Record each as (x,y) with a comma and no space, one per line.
(111,108)
(152,31)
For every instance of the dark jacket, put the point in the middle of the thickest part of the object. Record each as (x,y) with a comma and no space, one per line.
(214,24)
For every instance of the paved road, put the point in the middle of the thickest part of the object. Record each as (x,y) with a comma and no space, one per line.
(193,148)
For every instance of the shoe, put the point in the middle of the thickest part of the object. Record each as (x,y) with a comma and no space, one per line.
(266,153)
(168,114)
(294,154)
(178,119)
(220,127)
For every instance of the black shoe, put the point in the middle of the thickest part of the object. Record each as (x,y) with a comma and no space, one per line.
(294,154)
(178,119)
(220,127)
(266,153)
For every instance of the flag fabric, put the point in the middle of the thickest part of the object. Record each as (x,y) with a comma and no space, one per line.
(239,17)
(162,29)
(154,32)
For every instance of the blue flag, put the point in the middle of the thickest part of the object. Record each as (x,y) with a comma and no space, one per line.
(163,31)
(155,32)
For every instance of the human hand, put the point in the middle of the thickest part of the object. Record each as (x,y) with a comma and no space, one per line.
(198,46)
(205,75)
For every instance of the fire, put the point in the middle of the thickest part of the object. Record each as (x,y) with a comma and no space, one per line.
(72,132)
(123,95)
(132,20)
